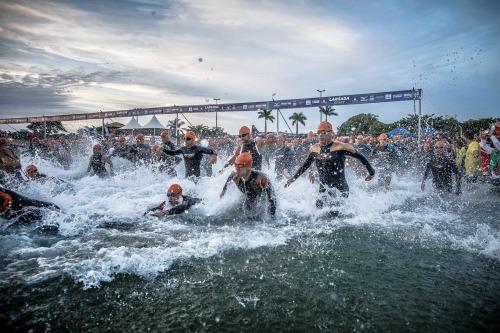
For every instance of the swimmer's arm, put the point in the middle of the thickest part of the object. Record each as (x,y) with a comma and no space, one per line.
(363,160)
(458,177)
(159,207)
(272,200)
(426,174)
(229,179)
(172,152)
(206,150)
(307,163)
(231,160)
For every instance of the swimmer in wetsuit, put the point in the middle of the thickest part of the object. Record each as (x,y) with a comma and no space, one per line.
(248,145)
(177,203)
(329,157)
(97,163)
(10,165)
(12,206)
(442,168)
(192,154)
(251,183)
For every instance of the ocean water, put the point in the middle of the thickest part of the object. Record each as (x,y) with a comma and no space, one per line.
(398,260)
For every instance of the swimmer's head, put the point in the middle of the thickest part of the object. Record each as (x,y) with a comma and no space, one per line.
(325,132)
(31,170)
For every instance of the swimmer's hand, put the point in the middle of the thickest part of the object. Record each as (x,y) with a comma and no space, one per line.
(369,177)
(160,213)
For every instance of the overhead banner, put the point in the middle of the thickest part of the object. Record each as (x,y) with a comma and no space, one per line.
(379,97)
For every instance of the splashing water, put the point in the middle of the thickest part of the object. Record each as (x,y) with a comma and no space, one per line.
(103,234)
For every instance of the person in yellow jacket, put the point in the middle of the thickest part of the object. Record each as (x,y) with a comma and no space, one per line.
(472,158)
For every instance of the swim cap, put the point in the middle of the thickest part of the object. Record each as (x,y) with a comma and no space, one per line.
(383,137)
(155,148)
(97,146)
(244,130)
(244,160)
(190,134)
(164,134)
(440,143)
(139,136)
(175,189)
(31,169)
(6,200)
(121,139)
(325,126)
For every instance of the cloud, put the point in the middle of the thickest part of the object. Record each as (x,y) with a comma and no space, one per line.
(91,55)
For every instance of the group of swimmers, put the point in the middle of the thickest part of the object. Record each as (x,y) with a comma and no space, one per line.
(248,156)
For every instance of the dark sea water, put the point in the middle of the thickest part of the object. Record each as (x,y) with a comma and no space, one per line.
(397,261)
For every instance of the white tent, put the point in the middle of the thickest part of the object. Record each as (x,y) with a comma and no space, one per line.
(132,125)
(154,123)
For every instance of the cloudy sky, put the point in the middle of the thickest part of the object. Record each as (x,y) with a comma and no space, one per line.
(83,56)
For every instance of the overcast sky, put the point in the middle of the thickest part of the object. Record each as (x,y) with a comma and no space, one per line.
(85,56)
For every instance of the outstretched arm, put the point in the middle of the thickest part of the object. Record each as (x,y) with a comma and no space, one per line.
(307,163)
(172,152)
(229,179)
(363,160)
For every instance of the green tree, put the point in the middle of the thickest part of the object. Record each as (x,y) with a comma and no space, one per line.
(200,130)
(328,111)
(48,127)
(296,118)
(171,126)
(216,132)
(363,123)
(477,125)
(267,115)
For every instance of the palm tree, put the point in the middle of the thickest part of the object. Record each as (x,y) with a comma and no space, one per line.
(267,115)
(171,125)
(201,130)
(297,118)
(328,111)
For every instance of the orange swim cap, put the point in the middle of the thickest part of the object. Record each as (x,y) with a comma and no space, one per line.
(383,137)
(190,135)
(31,169)
(440,143)
(164,134)
(244,160)
(174,189)
(121,139)
(155,148)
(244,130)
(139,136)
(97,146)
(6,200)
(325,126)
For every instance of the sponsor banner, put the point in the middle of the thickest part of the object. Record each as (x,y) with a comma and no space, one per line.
(380,97)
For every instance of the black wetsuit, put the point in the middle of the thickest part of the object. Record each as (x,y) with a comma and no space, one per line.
(252,189)
(331,169)
(387,160)
(251,147)
(284,161)
(140,152)
(18,203)
(192,157)
(187,203)
(122,151)
(442,169)
(97,165)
